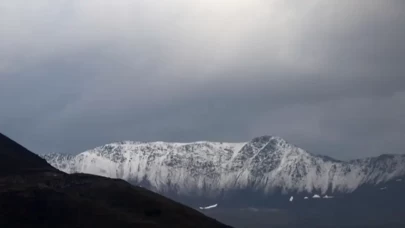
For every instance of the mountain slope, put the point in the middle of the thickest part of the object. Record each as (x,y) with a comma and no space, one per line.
(264,165)
(33,194)
(16,159)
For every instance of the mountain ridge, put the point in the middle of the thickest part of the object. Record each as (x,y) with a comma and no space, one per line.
(265,164)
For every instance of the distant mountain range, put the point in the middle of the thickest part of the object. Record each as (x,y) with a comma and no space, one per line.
(265,165)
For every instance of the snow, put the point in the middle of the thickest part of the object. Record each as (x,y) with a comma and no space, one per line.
(306,197)
(209,207)
(316,196)
(267,163)
(291,198)
(328,197)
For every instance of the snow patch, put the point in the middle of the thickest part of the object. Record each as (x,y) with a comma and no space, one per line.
(209,207)
(291,198)
(306,197)
(316,196)
(328,197)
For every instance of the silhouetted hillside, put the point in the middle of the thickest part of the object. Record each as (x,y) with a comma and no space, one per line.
(33,194)
(16,159)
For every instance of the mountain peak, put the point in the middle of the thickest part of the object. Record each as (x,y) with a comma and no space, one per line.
(274,140)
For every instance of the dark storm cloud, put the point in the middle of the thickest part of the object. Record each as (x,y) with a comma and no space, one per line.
(326,75)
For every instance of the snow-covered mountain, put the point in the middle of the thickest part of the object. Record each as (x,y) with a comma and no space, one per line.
(265,164)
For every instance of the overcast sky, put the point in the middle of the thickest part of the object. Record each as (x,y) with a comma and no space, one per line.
(328,76)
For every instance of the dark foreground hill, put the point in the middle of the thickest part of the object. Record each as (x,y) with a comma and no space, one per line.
(15,159)
(33,194)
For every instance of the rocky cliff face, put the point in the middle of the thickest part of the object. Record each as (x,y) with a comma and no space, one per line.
(265,164)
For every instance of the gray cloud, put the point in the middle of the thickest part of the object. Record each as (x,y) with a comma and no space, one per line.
(326,75)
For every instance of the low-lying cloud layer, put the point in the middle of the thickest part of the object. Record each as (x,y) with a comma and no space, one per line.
(328,76)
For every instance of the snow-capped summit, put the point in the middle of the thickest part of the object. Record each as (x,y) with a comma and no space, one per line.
(265,164)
